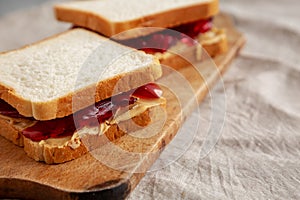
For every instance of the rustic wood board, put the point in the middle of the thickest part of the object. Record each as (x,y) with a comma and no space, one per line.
(87,177)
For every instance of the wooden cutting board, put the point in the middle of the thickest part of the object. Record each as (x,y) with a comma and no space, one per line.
(87,177)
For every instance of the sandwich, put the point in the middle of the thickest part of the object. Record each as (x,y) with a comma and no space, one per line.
(62,96)
(182,26)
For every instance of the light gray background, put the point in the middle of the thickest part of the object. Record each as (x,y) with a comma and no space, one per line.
(7,6)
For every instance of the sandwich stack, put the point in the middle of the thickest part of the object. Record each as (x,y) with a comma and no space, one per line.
(65,96)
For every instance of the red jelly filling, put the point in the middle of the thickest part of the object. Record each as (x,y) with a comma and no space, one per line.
(89,117)
(149,91)
(8,110)
(162,41)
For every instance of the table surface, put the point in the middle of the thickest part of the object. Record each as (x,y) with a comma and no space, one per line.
(257,154)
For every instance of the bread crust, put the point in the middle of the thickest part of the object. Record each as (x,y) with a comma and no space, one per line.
(52,155)
(194,54)
(60,154)
(10,128)
(166,19)
(64,106)
(217,48)
(10,132)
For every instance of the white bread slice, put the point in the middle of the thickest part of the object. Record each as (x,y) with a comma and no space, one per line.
(40,80)
(110,17)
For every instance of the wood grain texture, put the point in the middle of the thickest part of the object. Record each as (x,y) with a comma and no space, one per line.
(87,177)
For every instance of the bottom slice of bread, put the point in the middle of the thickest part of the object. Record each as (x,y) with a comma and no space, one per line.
(214,43)
(60,150)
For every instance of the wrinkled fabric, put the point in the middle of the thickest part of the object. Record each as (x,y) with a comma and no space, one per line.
(258,149)
(257,154)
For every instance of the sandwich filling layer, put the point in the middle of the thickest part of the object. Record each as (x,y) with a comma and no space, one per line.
(161,41)
(94,119)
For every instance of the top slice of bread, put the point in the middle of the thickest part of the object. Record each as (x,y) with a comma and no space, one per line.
(41,80)
(110,17)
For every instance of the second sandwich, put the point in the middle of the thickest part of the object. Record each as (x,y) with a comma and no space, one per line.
(154,26)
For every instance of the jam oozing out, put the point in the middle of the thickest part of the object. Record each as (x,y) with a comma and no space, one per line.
(88,117)
(50,129)
(149,91)
(195,28)
(163,40)
(8,110)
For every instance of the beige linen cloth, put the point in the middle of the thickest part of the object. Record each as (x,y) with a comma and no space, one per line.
(257,154)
